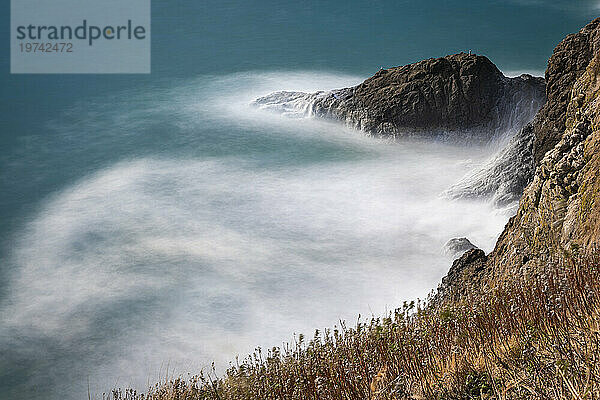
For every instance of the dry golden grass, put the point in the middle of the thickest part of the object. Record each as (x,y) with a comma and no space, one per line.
(533,338)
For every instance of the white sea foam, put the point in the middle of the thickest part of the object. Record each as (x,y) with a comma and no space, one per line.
(532,72)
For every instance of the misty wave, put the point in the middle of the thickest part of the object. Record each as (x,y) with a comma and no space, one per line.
(202,250)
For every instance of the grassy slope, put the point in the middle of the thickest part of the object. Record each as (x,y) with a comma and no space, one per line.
(537,337)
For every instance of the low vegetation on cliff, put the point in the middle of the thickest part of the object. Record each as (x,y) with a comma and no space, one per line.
(538,337)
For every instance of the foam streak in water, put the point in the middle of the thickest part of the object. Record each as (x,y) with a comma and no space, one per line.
(233,230)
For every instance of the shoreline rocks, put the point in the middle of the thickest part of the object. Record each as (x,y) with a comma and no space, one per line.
(456,95)
(458,246)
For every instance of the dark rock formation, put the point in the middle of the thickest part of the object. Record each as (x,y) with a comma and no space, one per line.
(465,274)
(457,246)
(568,62)
(457,93)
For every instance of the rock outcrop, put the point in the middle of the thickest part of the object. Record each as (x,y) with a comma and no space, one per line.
(458,246)
(456,94)
(559,212)
(465,275)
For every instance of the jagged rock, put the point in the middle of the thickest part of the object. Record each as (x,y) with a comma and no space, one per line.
(568,62)
(456,95)
(465,274)
(457,246)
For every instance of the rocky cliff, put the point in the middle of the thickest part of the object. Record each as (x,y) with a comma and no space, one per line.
(559,212)
(505,176)
(452,95)
(568,62)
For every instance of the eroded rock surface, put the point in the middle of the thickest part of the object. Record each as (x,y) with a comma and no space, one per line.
(456,95)
(568,62)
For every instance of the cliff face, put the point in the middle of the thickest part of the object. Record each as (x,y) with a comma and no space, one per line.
(568,62)
(559,212)
(459,92)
